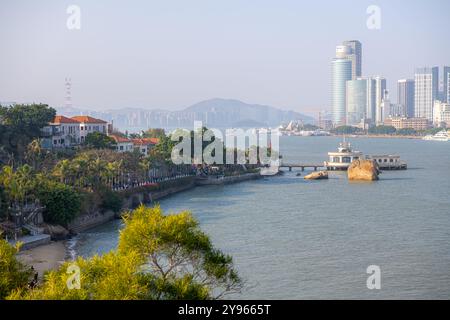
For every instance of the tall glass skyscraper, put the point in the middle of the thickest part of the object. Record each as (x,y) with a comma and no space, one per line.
(355,55)
(342,72)
(356,98)
(426,91)
(405,96)
(371,100)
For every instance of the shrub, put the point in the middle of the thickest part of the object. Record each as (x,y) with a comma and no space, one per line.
(62,203)
(13,274)
(135,202)
(111,200)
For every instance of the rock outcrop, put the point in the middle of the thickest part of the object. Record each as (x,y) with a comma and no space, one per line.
(363,170)
(317,175)
(56,232)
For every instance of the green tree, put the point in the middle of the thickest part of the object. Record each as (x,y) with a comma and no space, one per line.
(98,140)
(19,185)
(110,200)
(62,203)
(346,130)
(180,256)
(21,124)
(158,257)
(13,274)
(406,132)
(382,129)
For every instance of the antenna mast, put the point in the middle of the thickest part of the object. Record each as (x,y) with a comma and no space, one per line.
(68,100)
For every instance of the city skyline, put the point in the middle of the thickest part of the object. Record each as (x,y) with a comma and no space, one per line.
(135,58)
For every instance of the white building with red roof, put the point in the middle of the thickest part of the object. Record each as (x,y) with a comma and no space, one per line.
(122,144)
(144,145)
(90,125)
(66,132)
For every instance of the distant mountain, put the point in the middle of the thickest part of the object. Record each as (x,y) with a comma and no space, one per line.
(218,113)
(228,112)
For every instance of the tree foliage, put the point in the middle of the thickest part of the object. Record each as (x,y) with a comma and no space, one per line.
(98,140)
(20,124)
(382,130)
(346,130)
(406,132)
(62,203)
(13,274)
(158,257)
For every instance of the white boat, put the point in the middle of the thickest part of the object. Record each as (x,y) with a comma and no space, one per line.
(342,159)
(440,136)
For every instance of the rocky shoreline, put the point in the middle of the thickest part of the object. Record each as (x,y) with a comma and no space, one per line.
(49,256)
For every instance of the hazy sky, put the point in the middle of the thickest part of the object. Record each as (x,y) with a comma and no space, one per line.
(171,54)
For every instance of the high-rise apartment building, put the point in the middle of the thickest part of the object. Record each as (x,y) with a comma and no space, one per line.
(426,92)
(361,101)
(342,72)
(355,56)
(356,100)
(405,96)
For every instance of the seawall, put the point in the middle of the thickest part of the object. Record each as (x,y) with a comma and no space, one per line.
(98,218)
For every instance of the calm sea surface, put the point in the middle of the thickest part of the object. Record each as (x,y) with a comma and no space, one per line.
(297,239)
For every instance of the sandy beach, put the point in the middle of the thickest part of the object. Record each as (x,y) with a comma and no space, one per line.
(43,258)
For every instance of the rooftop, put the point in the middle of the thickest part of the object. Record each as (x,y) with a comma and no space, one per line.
(145,141)
(62,119)
(87,119)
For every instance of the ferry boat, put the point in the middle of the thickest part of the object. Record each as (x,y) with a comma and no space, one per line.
(342,159)
(440,136)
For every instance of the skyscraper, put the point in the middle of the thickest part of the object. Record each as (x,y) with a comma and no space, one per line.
(341,73)
(380,89)
(405,96)
(355,55)
(448,88)
(356,101)
(446,85)
(361,101)
(371,100)
(426,91)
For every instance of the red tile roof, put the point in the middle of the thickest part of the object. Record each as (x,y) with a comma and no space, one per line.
(62,119)
(119,139)
(145,141)
(87,119)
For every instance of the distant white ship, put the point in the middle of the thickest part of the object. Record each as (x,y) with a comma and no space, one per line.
(440,136)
